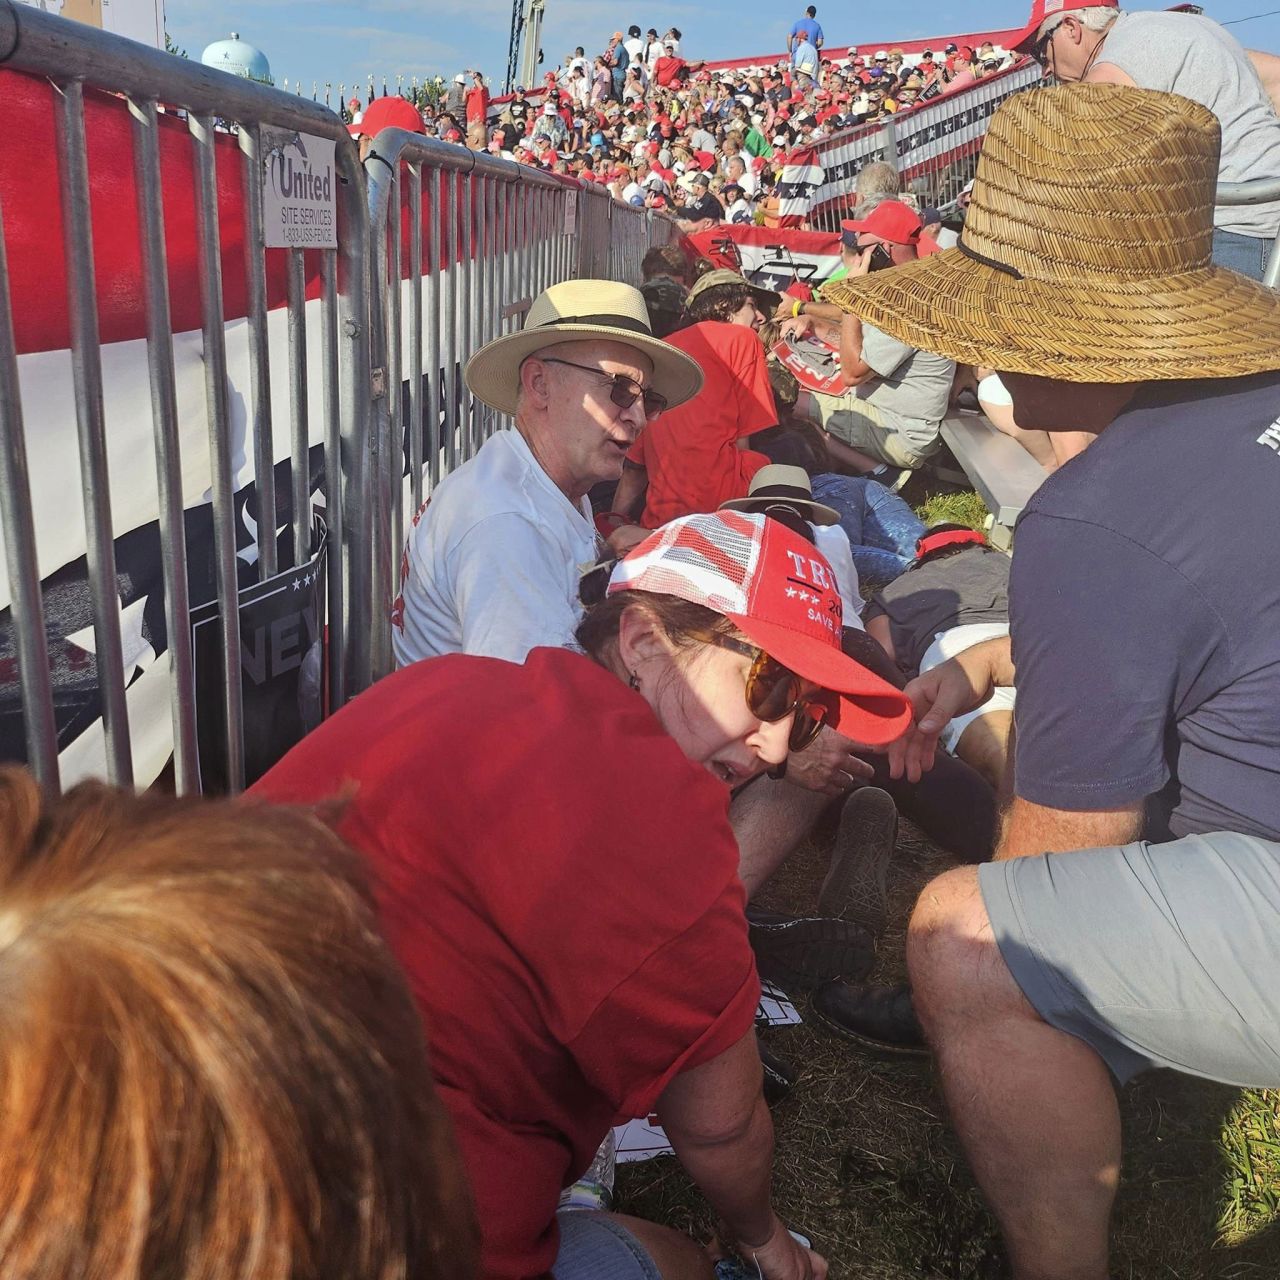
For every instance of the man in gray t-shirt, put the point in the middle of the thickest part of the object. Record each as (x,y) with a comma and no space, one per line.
(1195,57)
(891,415)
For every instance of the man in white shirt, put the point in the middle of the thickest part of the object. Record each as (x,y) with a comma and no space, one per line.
(492,563)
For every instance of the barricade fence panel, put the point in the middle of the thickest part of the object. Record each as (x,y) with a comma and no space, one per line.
(174,401)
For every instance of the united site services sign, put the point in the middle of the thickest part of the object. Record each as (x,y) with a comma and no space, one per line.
(299,191)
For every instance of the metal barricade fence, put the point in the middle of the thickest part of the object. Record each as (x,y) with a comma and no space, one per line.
(461,245)
(151,86)
(934,147)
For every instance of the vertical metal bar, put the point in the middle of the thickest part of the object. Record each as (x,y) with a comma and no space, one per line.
(164,419)
(543,226)
(86,376)
(215,381)
(479,296)
(334,482)
(393,528)
(524,236)
(889,142)
(415,336)
(259,357)
(491,248)
(507,288)
(299,407)
(468,308)
(27,608)
(450,323)
(435,342)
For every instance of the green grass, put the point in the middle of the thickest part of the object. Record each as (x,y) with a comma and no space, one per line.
(867,1164)
(955,508)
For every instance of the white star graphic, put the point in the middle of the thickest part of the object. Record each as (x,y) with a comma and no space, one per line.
(792,593)
(136,651)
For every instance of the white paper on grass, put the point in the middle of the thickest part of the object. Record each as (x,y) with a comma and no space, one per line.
(643,1139)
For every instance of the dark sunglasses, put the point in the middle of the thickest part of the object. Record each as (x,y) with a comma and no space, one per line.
(774,692)
(1040,50)
(624,392)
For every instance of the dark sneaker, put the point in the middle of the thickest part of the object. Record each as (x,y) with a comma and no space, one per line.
(855,886)
(779,1077)
(878,1018)
(799,954)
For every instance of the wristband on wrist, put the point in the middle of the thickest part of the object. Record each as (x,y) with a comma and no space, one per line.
(795,309)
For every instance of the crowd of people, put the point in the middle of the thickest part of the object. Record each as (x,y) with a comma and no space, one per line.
(379,1016)
(662,131)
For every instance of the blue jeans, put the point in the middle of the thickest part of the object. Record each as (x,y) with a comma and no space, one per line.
(882,529)
(594,1246)
(1245,254)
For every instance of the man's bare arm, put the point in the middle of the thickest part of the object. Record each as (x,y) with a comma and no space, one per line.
(1267,65)
(1107,73)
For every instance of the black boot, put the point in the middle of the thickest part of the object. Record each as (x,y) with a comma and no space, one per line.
(799,954)
(855,887)
(878,1018)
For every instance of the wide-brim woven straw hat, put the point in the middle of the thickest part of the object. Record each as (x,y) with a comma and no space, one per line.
(1085,254)
(579,310)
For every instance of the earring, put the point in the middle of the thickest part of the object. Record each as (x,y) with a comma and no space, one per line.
(634,682)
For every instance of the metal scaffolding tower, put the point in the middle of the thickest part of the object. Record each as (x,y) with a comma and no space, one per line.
(526,30)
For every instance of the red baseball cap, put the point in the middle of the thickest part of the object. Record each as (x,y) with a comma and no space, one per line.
(780,592)
(1042,9)
(891,220)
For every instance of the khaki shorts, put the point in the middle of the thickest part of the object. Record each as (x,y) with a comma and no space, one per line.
(860,425)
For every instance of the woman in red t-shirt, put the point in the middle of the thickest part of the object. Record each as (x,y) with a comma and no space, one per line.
(556,872)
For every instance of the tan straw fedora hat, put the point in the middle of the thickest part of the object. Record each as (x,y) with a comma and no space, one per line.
(580,310)
(1085,251)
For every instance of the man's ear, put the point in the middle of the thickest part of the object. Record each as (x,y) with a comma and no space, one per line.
(641,638)
(533,381)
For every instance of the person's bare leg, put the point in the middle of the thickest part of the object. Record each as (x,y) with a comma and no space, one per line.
(1036,443)
(677,1256)
(1034,1107)
(769,819)
(1067,444)
(984,745)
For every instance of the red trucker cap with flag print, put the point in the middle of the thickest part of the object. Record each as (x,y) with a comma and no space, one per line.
(781,593)
(1042,9)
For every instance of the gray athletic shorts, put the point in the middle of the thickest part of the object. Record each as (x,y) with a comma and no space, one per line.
(1155,955)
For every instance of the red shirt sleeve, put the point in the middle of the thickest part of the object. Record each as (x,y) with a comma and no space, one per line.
(689,1002)
(756,407)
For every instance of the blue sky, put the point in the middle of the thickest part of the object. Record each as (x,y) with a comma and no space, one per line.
(345,43)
